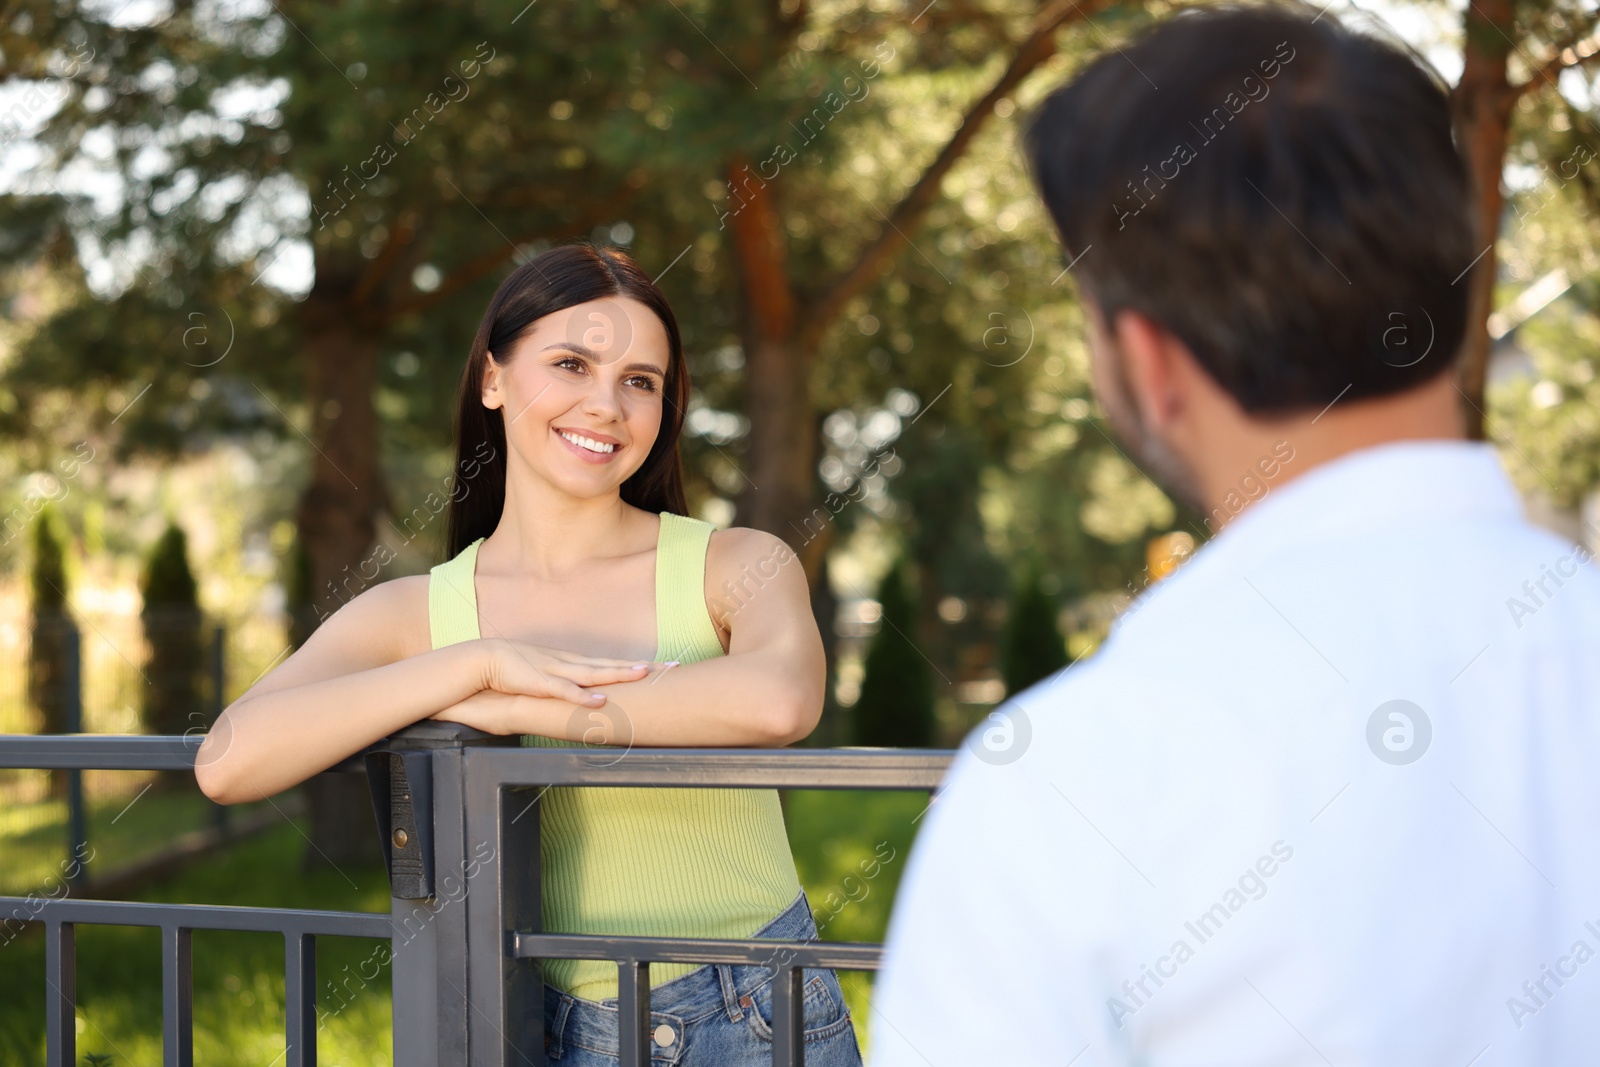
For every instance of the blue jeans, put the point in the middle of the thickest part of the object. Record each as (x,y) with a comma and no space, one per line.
(714,1016)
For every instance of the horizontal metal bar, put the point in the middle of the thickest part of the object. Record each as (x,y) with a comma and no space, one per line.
(776,768)
(112,752)
(102,752)
(287,921)
(844,955)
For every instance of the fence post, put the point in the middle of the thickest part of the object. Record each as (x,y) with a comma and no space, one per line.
(219,701)
(72,723)
(419,800)
(507,993)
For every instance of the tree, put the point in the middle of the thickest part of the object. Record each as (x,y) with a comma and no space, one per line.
(50,629)
(896,704)
(784,319)
(1484,100)
(782,285)
(1033,648)
(234,138)
(173,629)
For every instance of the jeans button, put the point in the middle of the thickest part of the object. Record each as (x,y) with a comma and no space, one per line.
(665,1035)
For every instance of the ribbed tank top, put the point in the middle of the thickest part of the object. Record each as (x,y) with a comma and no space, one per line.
(640,861)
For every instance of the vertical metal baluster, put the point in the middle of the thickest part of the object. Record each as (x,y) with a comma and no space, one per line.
(300,999)
(788,1017)
(177,997)
(61,974)
(72,723)
(633,1013)
(519,1001)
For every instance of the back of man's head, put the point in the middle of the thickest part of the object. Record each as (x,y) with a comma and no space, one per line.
(1280,193)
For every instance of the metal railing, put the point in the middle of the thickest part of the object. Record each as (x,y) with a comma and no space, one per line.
(456,809)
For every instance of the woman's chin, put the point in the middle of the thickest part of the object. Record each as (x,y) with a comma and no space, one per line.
(591,484)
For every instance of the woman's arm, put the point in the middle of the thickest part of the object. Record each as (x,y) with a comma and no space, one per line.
(352,683)
(767,691)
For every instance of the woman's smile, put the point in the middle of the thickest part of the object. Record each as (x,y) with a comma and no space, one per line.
(590,447)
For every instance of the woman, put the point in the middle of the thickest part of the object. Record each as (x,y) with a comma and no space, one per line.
(578,594)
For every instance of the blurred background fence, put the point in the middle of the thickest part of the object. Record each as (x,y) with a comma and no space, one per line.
(116,672)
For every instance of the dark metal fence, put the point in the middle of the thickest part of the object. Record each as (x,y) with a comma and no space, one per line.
(459,815)
(100,674)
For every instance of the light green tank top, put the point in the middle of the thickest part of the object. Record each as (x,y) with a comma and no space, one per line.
(638,861)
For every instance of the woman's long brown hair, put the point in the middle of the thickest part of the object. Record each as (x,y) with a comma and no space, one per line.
(562,277)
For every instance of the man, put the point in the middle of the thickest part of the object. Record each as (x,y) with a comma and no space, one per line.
(1330,794)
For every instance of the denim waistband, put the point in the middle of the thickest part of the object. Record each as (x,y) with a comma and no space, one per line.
(679,1002)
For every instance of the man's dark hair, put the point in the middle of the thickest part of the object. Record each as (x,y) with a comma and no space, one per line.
(1281,193)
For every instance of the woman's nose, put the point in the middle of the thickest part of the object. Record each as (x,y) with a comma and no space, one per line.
(601,399)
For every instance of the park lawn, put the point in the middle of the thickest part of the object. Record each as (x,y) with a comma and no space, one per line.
(238,977)
(121,830)
(850,849)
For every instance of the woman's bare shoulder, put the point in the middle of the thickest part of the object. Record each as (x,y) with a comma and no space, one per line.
(740,561)
(741,546)
(391,616)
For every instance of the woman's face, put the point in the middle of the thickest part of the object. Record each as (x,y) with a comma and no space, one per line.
(581,393)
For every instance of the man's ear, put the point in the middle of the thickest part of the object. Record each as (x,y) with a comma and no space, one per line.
(1150,358)
(491,383)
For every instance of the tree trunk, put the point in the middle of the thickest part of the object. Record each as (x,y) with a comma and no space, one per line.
(780,342)
(1483,102)
(337,520)
(781,458)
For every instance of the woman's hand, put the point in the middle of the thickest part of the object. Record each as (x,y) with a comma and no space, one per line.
(484,710)
(501,713)
(521,668)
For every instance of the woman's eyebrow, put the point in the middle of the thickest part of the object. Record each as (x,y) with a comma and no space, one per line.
(588,353)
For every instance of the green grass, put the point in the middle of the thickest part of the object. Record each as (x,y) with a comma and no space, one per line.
(850,849)
(121,830)
(238,977)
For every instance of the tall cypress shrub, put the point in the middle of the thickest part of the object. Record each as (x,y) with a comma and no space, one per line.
(298,595)
(896,704)
(1032,647)
(174,634)
(48,629)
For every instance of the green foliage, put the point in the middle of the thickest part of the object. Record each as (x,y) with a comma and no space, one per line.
(48,578)
(896,704)
(174,631)
(168,582)
(50,630)
(1033,648)
(298,594)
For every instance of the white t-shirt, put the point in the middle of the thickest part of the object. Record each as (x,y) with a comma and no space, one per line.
(1329,795)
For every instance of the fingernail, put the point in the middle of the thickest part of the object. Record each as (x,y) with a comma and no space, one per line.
(640,667)
(670,663)
(596,699)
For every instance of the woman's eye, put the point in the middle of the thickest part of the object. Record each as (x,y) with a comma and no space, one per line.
(570,363)
(647,384)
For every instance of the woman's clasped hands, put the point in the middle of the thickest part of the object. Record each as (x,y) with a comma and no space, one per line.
(525,683)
